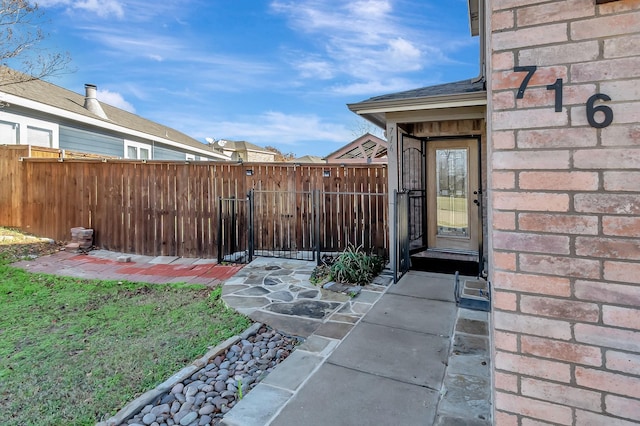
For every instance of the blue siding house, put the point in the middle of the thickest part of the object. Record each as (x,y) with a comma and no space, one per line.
(34,112)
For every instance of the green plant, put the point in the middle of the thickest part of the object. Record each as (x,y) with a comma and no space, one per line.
(354,266)
(239,389)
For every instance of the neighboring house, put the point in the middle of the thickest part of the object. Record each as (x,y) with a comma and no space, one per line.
(243,151)
(35,112)
(309,159)
(531,170)
(366,149)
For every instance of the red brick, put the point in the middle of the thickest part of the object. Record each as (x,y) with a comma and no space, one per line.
(527,160)
(608,337)
(618,6)
(505,419)
(536,326)
(621,317)
(587,418)
(621,226)
(502,61)
(534,408)
(622,271)
(504,261)
(503,140)
(622,407)
(503,180)
(621,181)
(535,367)
(543,76)
(608,382)
(528,119)
(562,394)
(622,46)
(600,291)
(537,243)
(623,361)
(610,69)
(604,26)
(533,201)
(561,266)
(502,20)
(612,248)
(528,37)
(503,100)
(558,223)
(506,382)
(504,220)
(509,4)
(558,138)
(505,341)
(609,158)
(529,283)
(554,12)
(559,308)
(504,301)
(561,351)
(561,53)
(559,181)
(621,135)
(530,422)
(623,204)
(626,90)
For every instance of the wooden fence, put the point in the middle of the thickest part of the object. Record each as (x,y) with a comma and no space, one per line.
(171,208)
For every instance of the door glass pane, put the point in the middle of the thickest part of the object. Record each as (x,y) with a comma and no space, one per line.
(452,193)
(132,152)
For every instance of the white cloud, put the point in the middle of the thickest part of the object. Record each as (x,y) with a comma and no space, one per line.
(366,42)
(115,99)
(102,8)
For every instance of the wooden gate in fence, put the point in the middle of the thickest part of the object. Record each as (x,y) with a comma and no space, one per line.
(171,208)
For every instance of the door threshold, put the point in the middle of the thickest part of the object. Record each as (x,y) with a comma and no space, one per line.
(461,255)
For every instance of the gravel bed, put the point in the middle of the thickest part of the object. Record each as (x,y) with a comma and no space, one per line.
(209,393)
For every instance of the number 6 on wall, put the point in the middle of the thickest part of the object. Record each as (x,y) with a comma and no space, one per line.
(591,111)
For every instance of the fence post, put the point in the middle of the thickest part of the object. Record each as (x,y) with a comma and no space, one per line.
(250,236)
(315,202)
(220,245)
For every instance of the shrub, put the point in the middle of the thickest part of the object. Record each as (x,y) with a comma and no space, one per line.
(354,266)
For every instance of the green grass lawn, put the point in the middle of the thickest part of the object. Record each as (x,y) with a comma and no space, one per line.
(75,351)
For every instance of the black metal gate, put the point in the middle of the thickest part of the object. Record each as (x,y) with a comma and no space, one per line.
(235,230)
(403,239)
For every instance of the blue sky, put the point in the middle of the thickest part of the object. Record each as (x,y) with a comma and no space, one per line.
(274,73)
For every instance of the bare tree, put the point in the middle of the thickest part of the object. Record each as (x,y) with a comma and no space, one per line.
(360,126)
(20,34)
(280,156)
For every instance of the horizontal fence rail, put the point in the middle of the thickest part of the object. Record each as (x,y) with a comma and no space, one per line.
(172,208)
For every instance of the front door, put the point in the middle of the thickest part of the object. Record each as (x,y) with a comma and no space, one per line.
(452,209)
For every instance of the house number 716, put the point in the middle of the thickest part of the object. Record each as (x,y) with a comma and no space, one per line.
(592,109)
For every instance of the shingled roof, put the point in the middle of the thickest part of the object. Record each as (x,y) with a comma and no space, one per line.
(15,83)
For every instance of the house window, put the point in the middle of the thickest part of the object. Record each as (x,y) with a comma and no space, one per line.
(137,150)
(190,157)
(39,137)
(8,133)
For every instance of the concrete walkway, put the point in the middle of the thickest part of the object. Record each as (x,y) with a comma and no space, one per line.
(394,354)
(413,359)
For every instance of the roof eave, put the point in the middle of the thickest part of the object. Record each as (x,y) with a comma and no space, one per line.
(375,111)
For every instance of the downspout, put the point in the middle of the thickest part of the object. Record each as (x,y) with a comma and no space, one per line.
(481,32)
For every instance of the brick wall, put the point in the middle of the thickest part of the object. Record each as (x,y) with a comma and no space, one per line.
(565,213)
